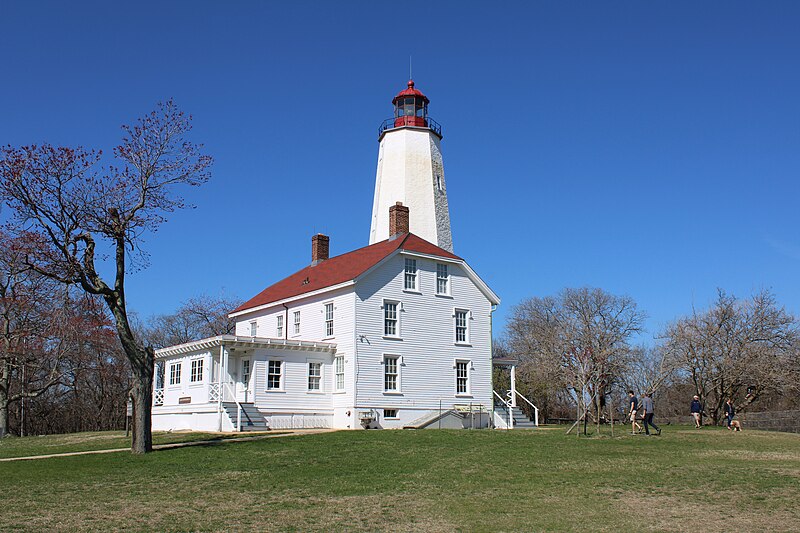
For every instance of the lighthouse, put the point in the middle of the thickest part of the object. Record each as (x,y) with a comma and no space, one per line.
(410,171)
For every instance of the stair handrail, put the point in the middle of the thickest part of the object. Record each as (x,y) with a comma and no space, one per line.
(535,409)
(507,403)
(238,407)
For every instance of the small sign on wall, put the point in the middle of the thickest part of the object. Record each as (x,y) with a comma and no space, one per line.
(185,399)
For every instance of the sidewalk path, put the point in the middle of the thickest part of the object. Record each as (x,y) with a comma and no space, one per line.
(287,433)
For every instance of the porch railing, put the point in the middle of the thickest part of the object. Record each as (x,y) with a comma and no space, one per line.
(213,392)
(535,409)
(158,396)
(508,408)
(239,407)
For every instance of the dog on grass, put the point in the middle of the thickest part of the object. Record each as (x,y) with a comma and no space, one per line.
(735,425)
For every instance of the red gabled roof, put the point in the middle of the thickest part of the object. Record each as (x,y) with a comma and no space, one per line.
(342,268)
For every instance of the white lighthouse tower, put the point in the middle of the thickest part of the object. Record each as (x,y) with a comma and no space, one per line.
(410,171)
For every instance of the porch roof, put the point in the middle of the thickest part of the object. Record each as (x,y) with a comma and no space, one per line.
(235,341)
(504,361)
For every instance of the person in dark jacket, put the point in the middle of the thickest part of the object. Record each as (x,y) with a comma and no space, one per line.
(696,410)
(730,412)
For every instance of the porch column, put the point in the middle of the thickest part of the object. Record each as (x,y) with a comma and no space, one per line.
(513,385)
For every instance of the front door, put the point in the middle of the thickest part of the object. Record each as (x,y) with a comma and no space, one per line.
(244,384)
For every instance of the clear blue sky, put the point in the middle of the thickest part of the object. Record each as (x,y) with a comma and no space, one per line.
(651,149)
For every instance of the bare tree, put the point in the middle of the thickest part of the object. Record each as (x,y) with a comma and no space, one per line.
(576,341)
(66,207)
(31,325)
(197,318)
(741,349)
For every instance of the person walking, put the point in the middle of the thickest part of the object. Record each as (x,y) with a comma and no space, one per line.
(696,409)
(730,411)
(633,406)
(647,412)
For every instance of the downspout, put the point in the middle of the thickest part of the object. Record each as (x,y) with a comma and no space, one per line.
(492,309)
(286,323)
(355,359)
(219,384)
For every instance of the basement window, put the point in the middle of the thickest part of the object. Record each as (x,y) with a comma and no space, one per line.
(390,413)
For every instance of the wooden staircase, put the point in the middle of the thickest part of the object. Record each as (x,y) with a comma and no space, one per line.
(252,419)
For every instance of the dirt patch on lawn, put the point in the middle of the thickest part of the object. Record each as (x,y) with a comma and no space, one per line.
(693,511)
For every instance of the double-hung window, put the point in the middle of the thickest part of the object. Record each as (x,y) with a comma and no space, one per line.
(197,371)
(462,377)
(442,279)
(462,330)
(329,319)
(253,328)
(279,330)
(175,374)
(391,373)
(274,375)
(390,319)
(297,322)
(338,369)
(314,376)
(410,283)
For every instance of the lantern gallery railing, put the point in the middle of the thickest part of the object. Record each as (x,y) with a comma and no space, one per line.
(399,122)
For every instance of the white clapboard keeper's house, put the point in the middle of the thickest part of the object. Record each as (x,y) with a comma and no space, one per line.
(395,334)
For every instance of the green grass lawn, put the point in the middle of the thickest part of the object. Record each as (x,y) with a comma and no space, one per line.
(429,480)
(97,440)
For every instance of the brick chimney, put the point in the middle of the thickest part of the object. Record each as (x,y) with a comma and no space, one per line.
(398,219)
(320,248)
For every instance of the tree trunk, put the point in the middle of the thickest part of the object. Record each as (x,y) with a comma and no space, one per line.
(142,360)
(142,396)
(3,413)
(5,379)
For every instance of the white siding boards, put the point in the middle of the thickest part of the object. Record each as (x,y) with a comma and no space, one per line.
(425,344)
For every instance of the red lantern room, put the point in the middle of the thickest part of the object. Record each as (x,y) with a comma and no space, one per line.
(410,109)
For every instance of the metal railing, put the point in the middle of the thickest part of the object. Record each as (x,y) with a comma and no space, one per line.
(391,123)
(535,409)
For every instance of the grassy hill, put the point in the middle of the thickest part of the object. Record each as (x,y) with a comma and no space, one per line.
(685,480)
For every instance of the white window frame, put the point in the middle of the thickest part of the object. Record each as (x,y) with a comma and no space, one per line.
(467,317)
(297,322)
(443,267)
(247,373)
(282,365)
(410,274)
(338,372)
(253,328)
(328,310)
(175,373)
(196,371)
(319,377)
(279,328)
(398,374)
(467,367)
(398,307)
(394,417)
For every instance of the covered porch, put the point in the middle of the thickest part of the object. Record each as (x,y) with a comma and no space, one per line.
(210,383)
